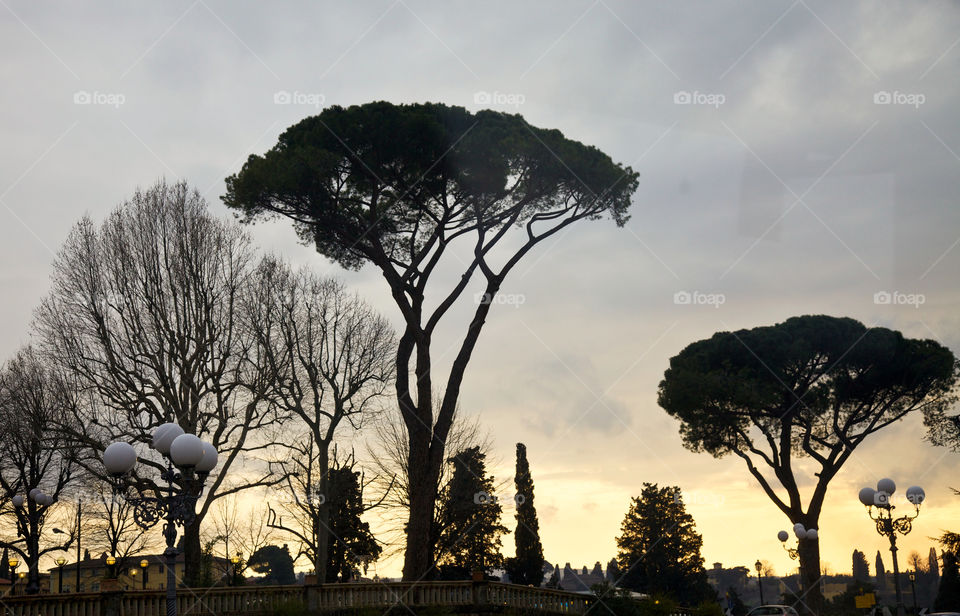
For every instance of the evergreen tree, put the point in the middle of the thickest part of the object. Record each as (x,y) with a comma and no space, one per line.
(948,594)
(527,567)
(659,548)
(881,573)
(554,581)
(469,526)
(275,562)
(613,572)
(5,566)
(933,565)
(350,536)
(861,569)
(735,603)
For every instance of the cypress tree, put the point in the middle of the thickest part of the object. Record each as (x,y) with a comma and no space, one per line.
(881,573)
(948,594)
(527,567)
(861,570)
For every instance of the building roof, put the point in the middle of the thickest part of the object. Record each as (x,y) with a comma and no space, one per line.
(101,561)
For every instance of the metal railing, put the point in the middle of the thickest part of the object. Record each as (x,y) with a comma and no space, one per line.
(228,601)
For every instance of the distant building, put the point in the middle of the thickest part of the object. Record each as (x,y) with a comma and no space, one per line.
(130,575)
(580,581)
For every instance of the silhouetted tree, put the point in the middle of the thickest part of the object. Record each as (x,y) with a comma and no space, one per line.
(469,520)
(145,314)
(881,573)
(351,536)
(613,572)
(527,566)
(812,387)
(554,581)
(948,593)
(275,562)
(396,186)
(659,548)
(37,406)
(861,569)
(5,565)
(735,603)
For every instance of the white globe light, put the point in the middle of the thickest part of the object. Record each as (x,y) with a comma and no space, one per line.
(47,500)
(119,458)
(17,500)
(209,460)
(783,535)
(165,435)
(800,532)
(811,533)
(34,493)
(916,495)
(186,450)
(866,496)
(886,485)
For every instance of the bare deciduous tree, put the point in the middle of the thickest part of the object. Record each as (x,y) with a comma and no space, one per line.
(35,401)
(145,312)
(333,356)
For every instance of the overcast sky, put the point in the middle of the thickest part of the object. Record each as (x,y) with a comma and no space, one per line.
(795,158)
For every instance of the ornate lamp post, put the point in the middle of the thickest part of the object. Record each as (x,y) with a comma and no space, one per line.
(143,565)
(189,462)
(30,513)
(801,532)
(111,561)
(61,561)
(759,567)
(14,562)
(880,511)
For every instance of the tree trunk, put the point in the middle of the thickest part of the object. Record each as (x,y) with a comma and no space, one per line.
(322,536)
(192,553)
(811,599)
(422,492)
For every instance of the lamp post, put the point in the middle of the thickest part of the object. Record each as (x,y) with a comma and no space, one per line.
(61,561)
(880,510)
(186,454)
(234,561)
(111,561)
(30,513)
(143,565)
(759,567)
(801,532)
(14,562)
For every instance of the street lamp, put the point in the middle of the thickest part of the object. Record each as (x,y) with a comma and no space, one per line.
(14,562)
(61,561)
(234,561)
(111,561)
(186,454)
(759,567)
(880,510)
(30,512)
(143,565)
